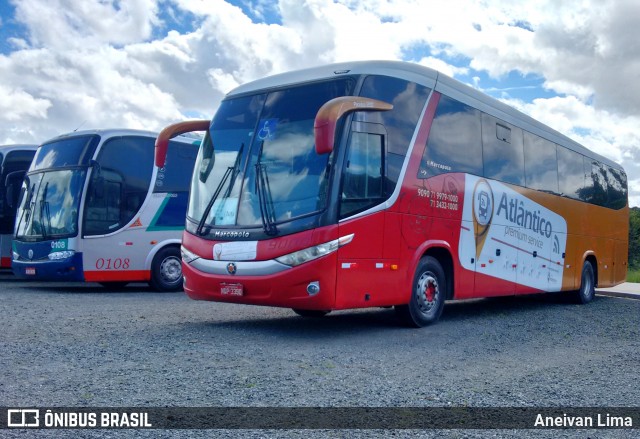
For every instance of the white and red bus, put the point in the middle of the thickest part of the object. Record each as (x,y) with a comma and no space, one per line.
(14,162)
(389,184)
(95,208)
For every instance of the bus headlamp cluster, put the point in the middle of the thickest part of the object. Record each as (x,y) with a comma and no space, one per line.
(315,252)
(187,256)
(55,256)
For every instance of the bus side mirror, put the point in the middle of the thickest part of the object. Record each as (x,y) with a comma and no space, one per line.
(324,126)
(162,141)
(13,182)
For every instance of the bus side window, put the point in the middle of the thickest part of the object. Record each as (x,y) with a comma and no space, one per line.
(407,98)
(126,166)
(571,172)
(617,188)
(175,176)
(362,184)
(502,150)
(595,191)
(112,203)
(454,143)
(540,163)
(103,209)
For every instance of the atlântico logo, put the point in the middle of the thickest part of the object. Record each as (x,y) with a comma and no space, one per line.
(483,203)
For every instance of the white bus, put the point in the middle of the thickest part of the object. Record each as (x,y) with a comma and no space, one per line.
(14,162)
(95,208)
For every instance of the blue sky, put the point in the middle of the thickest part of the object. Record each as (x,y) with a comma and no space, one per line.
(9,27)
(146,63)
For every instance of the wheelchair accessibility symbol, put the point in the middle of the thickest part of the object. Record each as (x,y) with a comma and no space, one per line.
(267,129)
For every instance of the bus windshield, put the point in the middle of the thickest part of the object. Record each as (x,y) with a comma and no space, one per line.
(257,165)
(50,199)
(69,151)
(50,204)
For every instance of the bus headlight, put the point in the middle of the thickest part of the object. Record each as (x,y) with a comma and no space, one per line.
(187,256)
(55,256)
(315,252)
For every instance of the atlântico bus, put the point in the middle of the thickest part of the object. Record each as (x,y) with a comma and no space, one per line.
(14,162)
(389,184)
(95,208)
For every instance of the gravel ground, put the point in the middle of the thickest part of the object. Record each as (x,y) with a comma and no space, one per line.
(81,345)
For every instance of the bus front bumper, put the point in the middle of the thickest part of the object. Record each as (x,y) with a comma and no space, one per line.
(307,286)
(69,269)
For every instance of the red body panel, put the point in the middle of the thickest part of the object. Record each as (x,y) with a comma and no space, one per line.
(117,275)
(268,249)
(286,289)
(369,270)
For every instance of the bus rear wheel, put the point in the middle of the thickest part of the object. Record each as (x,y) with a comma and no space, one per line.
(427,296)
(310,312)
(587,290)
(166,270)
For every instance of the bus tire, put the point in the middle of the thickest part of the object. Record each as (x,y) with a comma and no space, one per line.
(166,270)
(587,290)
(428,294)
(310,312)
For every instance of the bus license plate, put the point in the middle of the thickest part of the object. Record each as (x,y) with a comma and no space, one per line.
(231,289)
(31,271)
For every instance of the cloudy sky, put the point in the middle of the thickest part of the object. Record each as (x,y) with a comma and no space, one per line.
(68,64)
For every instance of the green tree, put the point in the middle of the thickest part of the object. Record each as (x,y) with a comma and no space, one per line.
(634,237)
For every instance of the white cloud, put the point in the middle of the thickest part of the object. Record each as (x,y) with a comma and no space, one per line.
(442,66)
(17,105)
(67,23)
(96,61)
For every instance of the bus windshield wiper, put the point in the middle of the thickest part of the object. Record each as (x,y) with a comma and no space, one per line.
(232,171)
(45,212)
(267,211)
(234,174)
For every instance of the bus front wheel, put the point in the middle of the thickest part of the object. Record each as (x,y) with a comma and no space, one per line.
(587,290)
(427,295)
(166,270)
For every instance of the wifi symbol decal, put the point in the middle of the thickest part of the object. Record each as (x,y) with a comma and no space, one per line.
(556,244)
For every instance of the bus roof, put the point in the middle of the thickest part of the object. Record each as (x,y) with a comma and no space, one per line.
(114,132)
(17,147)
(430,78)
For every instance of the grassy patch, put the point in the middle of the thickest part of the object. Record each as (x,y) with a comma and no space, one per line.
(633,275)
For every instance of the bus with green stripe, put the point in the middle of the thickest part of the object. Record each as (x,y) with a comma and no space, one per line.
(93,207)
(14,162)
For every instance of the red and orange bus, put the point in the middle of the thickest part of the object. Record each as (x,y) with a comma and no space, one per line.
(375,184)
